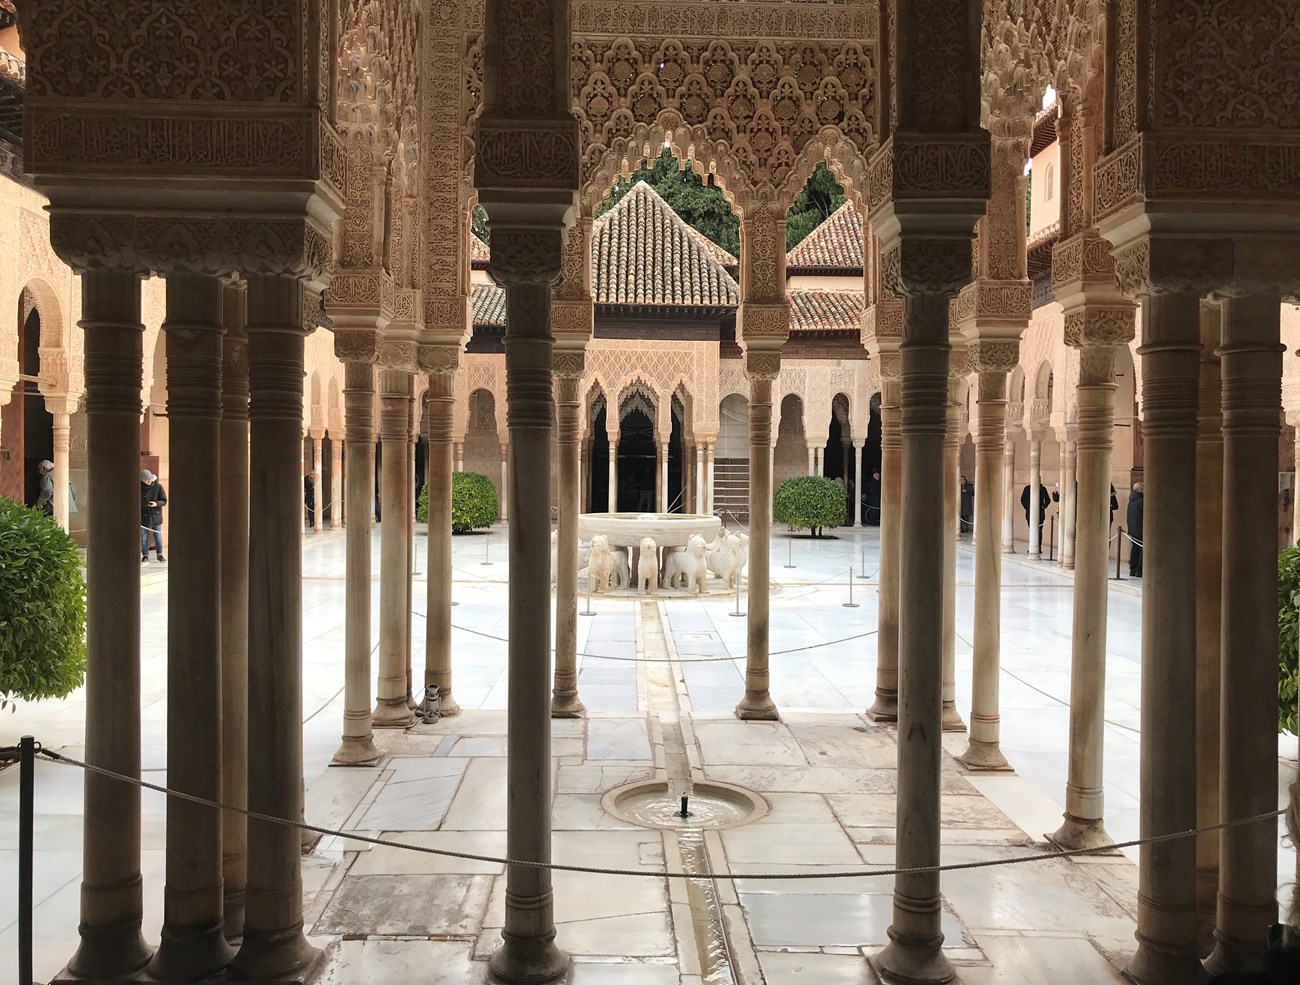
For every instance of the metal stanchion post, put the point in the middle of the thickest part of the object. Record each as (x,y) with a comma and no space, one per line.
(26,810)
(1119,553)
(588,611)
(850,604)
(863,573)
(789,553)
(737,613)
(487,542)
(1051,541)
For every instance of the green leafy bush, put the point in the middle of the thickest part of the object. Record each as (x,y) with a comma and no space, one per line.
(474,502)
(810,502)
(42,608)
(1288,637)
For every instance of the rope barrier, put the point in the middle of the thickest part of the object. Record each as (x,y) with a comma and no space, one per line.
(641,873)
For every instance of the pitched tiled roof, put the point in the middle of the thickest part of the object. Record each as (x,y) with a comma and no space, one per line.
(835,245)
(489,303)
(826,311)
(479,254)
(643,253)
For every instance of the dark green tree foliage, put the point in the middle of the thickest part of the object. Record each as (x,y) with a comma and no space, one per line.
(700,204)
(813,206)
(478,224)
(42,608)
(1288,637)
(474,502)
(809,502)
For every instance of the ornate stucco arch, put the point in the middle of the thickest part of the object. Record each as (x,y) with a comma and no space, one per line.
(53,343)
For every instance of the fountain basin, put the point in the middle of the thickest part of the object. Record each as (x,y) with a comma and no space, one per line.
(651,804)
(667,529)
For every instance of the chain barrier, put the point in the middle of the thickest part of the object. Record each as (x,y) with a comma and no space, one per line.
(641,873)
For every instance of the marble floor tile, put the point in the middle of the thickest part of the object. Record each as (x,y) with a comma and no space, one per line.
(403,962)
(419,906)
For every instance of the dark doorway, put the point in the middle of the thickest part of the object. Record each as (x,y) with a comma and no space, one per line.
(598,465)
(38,423)
(636,463)
(676,449)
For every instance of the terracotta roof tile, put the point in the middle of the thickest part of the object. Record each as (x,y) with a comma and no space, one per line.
(834,245)
(644,253)
(489,303)
(479,254)
(826,311)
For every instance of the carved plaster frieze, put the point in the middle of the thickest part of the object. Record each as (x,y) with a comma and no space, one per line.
(509,155)
(882,326)
(924,167)
(573,319)
(356,288)
(988,303)
(763,326)
(709,20)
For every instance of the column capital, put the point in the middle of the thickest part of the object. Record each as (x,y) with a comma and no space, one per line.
(994,309)
(882,327)
(527,254)
(569,363)
(356,345)
(1093,325)
(398,355)
(929,265)
(988,356)
(760,325)
(438,360)
(762,365)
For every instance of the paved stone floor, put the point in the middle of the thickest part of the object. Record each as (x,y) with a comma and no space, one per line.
(660,706)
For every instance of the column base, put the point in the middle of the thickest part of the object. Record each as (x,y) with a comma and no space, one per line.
(528,960)
(392,713)
(952,721)
(1077,834)
(885,707)
(565,704)
(757,706)
(1159,964)
(233,923)
(190,954)
(447,706)
(356,750)
(984,756)
(912,964)
(107,955)
(276,958)
(1235,956)
(1008,548)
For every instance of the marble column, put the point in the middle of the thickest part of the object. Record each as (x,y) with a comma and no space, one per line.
(358,745)
(391,708)
(661,503)
(984,751)
(663,478)
(193,945)
(1252,399)
(318,463)
(701,473)
(234,604)
(274,947)
(1209,614)
(1095,332)
(437,479)
(1069,495)
(762,369)
(812,460)
(914,953)
(613,474)
(565,702)
(1009,502)
(885,707)
(1166,931)
(505,483)
(336,481)
(111,946)
(62,436)
(710,484)
(408,536)
(1035,502)
(1295,492)
(857,483)
(688,476)
(819,466)
(952,721)
(460,456)
(528,952)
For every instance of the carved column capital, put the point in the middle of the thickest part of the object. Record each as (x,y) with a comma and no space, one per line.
(526,255)
(762,365)
(990,356)
(439,360)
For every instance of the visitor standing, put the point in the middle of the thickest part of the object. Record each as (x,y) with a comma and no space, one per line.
(1135,508)
(309,498)
(871,500)
(967,507)
(1114,504)
(152,499)
(1044,501)
(45,500)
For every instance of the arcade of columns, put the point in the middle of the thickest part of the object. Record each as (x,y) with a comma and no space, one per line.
(329,156)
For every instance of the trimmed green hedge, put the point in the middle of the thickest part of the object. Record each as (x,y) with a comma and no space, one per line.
(42,608)
(474,502)
(1288,637)
(810,502)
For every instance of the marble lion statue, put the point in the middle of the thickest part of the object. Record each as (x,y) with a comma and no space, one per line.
(622,577)
(687,568)
(600,566)
(725,558)
(647,569)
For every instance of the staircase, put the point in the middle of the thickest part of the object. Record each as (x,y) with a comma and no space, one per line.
(731,487)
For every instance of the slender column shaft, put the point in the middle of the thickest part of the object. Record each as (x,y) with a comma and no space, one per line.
(505,483)
(820,467)
(1295,493)
(1083,825)
(358,745)
(1252,401)
(1069,496)
(564,694)
(336,481)
(529,952)
(1010,500)
(1209,615)
(1035,502)
(62,439)
(951,506)
(812,460)
(274,947)
(437,479)
(857,483)
(318,463)
(984,750)
(710,484)
(916,937)
(1166,931)
(885,707)
(234,605)
(663,478)
(408,536)
(460,456)
(701,473)
(757,704)
(193,945)
(391,708)
(111,903)
(613,475)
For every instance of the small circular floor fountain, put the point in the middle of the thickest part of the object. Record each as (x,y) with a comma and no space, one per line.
(651,804)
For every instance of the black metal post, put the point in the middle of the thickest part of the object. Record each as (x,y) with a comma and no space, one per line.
(1051,541)
(26,809)
(1119,553)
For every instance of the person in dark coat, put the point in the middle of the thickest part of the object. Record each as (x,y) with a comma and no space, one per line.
(309,498)
(152,499)
(1114,505)
(871,501)
(1044,501)
(1135,509)
(967,507)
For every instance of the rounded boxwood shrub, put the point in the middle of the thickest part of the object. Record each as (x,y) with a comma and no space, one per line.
(474,502)
(810,502)
(42,608)
(1288,637)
